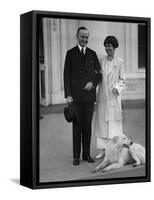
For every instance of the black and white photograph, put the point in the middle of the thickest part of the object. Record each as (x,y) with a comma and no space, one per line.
(90,99)
(76,100)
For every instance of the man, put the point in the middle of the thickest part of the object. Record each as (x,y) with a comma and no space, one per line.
(81,77)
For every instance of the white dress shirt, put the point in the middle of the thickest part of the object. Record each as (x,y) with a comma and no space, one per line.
(80,48)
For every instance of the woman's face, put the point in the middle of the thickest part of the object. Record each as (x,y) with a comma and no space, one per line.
(109,49)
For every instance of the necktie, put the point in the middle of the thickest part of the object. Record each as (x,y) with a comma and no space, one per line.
(82,56)
(82,51)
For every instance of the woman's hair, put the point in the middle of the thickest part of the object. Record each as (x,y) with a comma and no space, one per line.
(111,40)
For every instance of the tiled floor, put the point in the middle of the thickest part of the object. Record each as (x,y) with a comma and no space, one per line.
(56,149)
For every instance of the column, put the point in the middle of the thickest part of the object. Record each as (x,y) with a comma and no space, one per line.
(45,67)
(55,88)
(63,50)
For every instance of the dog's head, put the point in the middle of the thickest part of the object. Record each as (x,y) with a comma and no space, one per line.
(122,140)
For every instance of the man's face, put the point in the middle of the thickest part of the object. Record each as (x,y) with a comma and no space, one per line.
(82,37)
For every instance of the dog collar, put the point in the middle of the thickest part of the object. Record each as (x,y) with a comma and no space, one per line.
(127,146)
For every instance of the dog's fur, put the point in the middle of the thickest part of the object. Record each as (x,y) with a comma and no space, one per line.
(137,153)
(120,151)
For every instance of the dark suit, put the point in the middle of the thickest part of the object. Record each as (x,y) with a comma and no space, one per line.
(79,70)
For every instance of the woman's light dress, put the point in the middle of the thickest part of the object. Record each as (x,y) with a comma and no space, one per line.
(107,120)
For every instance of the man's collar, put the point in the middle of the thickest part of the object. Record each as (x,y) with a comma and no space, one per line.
(80,47)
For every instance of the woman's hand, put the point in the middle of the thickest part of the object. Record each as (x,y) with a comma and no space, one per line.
(89,86)
(115,91)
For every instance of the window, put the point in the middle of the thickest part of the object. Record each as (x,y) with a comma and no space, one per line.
(142,46)
(41,47)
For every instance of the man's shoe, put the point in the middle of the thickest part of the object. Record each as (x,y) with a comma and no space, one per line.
(76,162)
(89,159)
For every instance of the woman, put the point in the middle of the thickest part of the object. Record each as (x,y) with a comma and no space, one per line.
(108,117)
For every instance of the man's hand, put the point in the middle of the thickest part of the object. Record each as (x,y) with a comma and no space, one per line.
(115,91)
(89,86)
(69,100)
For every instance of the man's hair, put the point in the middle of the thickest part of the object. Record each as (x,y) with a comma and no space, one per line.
(81,28)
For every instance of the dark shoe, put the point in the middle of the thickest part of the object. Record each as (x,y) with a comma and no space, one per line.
(89,159)
(76,162)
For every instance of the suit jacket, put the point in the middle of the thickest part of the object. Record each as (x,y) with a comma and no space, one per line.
(77,73)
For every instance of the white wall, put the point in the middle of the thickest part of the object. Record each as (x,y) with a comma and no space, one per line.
(60,35)
(99,31)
